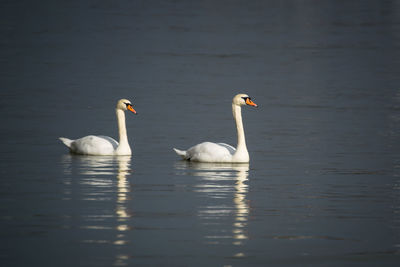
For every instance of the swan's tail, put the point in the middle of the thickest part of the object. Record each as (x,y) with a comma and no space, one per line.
(180,153)
(66,141)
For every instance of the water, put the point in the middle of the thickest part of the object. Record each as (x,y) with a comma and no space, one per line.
(322,187)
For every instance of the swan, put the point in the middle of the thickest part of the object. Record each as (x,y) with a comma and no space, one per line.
(103,145)
(220,152)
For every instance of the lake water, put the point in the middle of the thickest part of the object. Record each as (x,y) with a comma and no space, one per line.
(323,184)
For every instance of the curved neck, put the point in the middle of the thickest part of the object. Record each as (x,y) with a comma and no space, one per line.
(241,141)
(123,138)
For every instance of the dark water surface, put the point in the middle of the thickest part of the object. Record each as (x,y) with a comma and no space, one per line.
(323,184)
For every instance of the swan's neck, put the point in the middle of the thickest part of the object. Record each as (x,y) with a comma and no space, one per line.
(241,149)
(123,147)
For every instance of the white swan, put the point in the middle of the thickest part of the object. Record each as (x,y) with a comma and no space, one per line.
(103,145)
(220,152)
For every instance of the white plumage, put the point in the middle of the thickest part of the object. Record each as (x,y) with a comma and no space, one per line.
(221,152)
(103,145)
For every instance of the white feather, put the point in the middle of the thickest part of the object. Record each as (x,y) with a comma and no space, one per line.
(221,152)
(101,145)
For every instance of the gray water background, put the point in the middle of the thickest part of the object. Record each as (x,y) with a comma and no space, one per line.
(322,187)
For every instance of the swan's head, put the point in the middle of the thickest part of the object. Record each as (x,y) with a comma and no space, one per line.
(125,104)
(242,100)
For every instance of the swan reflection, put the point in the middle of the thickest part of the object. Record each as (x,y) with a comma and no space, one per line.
(222,182)
(100,176)
(123,189)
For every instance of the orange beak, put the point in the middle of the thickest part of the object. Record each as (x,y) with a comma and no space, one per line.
(250,103)
(129,107)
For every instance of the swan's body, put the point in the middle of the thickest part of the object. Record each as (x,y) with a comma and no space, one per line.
(103,145)
(220,152)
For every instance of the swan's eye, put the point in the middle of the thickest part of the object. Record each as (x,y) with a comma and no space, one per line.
(245,98)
